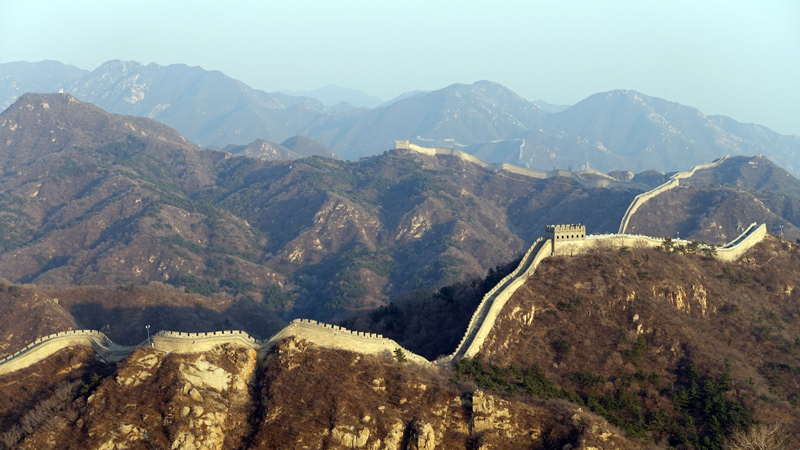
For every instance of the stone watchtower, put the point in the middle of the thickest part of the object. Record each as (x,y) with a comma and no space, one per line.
(560,235)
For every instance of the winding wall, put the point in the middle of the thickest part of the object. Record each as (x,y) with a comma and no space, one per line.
(324,335)
(673,182)
(332,336)
(613,184)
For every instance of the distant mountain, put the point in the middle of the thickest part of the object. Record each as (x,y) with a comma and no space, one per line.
(293,148)
(209,108)
(652,133)
(616,130)
(404,95)
(479,112)
(331,95)
(17,78)
(550,107)
(305,146)
(263,149)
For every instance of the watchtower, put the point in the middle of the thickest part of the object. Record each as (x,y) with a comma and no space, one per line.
(564,234)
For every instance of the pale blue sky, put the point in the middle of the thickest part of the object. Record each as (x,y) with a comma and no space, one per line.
(740,59)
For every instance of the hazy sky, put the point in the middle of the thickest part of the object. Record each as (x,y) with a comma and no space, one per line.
(740,59)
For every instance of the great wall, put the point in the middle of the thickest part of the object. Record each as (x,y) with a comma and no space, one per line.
(559,240)
(497,167)
(673,182)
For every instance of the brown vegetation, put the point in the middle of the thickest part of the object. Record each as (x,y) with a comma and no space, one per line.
(642,325)
(299,396)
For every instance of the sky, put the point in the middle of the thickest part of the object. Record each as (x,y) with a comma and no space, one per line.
(735,58)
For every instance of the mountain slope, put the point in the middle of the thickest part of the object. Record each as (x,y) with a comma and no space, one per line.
(479,112)
(716,205)
(263,149)
(305,146)
(657,134)
(207,106)
(109,200)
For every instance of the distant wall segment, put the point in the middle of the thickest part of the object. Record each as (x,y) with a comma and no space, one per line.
(673,182)
(406,145)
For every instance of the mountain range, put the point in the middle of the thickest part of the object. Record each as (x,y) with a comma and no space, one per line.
(616,130)
(88,197)
(116,223)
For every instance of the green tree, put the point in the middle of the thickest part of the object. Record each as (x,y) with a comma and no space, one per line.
(400,356)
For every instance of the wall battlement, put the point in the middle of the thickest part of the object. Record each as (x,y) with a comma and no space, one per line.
(602,183)
(565,232)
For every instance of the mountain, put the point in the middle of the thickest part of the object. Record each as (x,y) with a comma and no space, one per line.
(17,78)
(208,107)
(331,95)
(552,108)
(616,130)
(675,348)
(305,146)
(263,149)
(657,134)
(298,393)
(402,96)
(717,204)
(91,197)
(463,114)
(293,148)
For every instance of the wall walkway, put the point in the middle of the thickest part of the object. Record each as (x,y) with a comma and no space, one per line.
(673,182)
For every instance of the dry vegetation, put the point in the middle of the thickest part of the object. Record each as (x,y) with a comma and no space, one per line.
(298,396)
(680,349)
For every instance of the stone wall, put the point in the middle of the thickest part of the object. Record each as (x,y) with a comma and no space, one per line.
(332,336)
(486,314)
(602,183)
(324,335)
(673,182)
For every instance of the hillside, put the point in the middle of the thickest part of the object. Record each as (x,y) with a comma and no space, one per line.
(110,200)
(305,146)
(676,348)
(584,338)
(297,395)
(630,331)
(715,205)
(262,149)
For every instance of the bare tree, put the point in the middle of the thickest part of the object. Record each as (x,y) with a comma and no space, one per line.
(759,437)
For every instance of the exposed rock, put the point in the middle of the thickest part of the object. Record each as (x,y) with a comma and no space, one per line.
(350,438)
